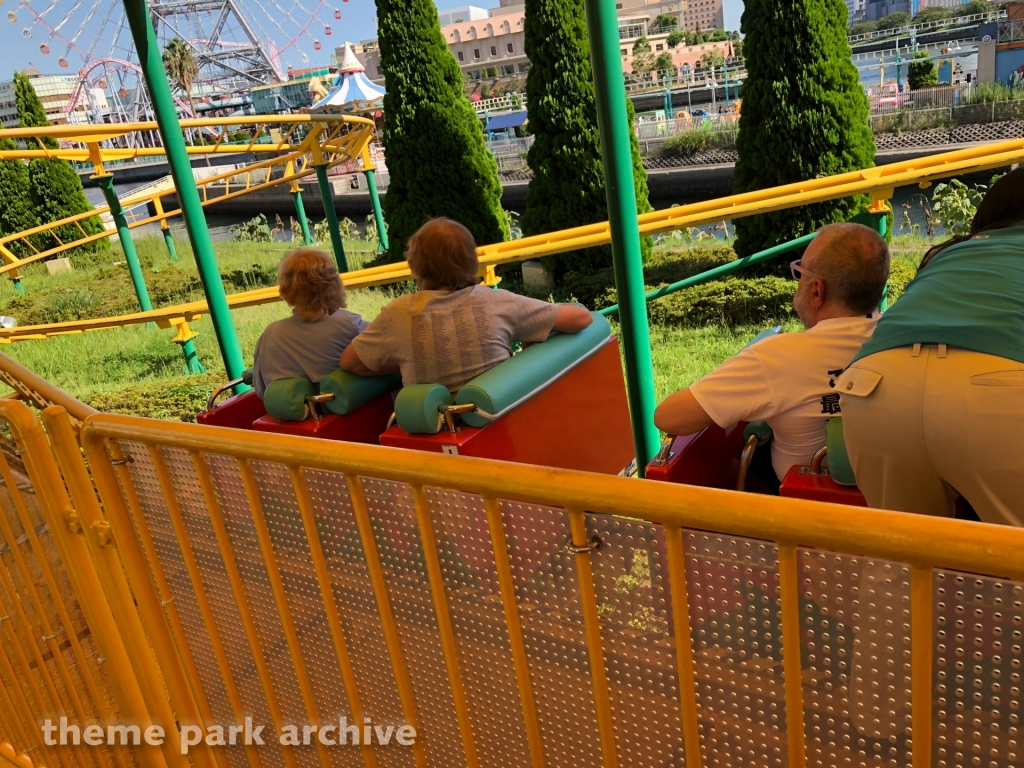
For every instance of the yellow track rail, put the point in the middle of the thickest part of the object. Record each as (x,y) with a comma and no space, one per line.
(332,139)
(879,182)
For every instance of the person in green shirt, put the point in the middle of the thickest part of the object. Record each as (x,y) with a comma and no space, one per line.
(933,404)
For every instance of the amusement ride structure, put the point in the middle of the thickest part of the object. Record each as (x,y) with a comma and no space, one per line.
(236,43)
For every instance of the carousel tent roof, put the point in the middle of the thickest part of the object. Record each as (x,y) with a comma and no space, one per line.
(353,92)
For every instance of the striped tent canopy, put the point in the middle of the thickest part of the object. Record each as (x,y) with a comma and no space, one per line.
(352,93)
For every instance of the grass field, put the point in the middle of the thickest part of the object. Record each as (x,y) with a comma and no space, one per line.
(139,370)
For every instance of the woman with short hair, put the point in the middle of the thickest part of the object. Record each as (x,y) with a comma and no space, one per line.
(453,328)
(310,342)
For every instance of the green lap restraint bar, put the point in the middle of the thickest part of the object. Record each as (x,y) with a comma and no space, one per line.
(146,44)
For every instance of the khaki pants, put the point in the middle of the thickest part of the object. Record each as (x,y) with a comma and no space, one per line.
(927,421)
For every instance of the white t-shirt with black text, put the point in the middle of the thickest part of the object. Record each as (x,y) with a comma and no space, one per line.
(787,380)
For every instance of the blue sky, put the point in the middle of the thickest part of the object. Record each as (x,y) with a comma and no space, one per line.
(356,24)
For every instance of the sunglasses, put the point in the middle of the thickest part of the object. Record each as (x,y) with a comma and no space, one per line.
(797,270)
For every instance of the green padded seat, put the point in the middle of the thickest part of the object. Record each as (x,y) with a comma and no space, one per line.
(285,399)
(517,379)
(417,408)
(352,391)
(839,466)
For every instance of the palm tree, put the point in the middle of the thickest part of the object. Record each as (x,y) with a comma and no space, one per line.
(182,67)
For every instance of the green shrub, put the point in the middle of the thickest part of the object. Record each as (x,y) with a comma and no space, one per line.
(731,301)
(922,74)
(805,115)
(567,187)
(901,272)
(174,399)
(16,214)
(437,155)
(255,230)
(597,289)
(698,140)
(55,187)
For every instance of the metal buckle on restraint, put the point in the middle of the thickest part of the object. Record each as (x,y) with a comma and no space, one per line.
(448,413)
(665,454)
(314,400)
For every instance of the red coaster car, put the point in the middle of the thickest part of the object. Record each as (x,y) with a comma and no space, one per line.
(343,406)
(557,404)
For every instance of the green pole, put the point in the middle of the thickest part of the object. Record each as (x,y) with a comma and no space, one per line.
(603,30)
(193,366)
(169,242)
(181,171)
(18,286)
(332,218)
(106,183)
(378,214)
(300,211)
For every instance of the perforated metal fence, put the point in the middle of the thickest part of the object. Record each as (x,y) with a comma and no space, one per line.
(511,615)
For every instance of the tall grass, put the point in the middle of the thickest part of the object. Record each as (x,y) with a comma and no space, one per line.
(987,93)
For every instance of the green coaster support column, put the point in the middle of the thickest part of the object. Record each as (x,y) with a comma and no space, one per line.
(603,30)
(181,171)
(165,228)
(172,251)
(370,170)
(106,183)
(300,211)
(332,216)
(186,339)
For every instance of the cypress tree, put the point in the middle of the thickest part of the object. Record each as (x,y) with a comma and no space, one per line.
(805,114)
(567,188)
(437,156)
(56,189)
(16,213)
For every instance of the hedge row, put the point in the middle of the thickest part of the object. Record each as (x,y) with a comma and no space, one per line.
(733,300)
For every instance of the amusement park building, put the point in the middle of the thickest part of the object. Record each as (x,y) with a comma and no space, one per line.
(483,41)
(53,90)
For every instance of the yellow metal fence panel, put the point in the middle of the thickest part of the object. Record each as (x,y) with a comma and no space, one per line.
(514,615)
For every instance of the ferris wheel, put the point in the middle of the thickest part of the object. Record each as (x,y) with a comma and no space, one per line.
(236,43)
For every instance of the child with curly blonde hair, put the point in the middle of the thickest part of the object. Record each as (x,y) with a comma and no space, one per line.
(310,342)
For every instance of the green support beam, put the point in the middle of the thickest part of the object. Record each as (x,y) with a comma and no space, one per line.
(332,217)
(378,213)
(300,211)
(172,251)
(18,286)
(603,30)
(106,183)
(149,54)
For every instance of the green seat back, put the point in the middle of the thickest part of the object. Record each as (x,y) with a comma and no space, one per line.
(508,384)
(416,408)
(285,399)
(839,466)
(352,391)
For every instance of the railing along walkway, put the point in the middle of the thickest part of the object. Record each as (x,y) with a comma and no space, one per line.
(512,615)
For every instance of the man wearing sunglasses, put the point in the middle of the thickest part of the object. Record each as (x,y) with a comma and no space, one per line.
(788,380)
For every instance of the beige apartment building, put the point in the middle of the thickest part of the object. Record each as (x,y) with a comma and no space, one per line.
(53,90)
(492,41)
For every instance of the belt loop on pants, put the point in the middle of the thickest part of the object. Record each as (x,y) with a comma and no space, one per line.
(916,351)
(942,351)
